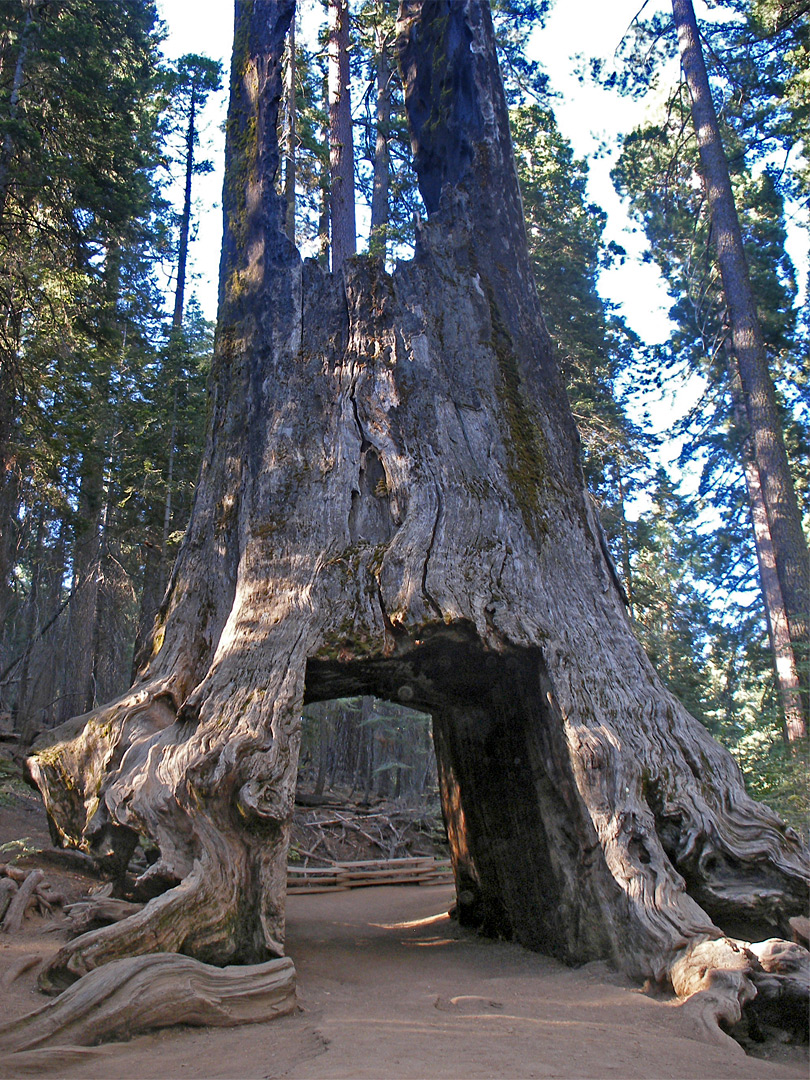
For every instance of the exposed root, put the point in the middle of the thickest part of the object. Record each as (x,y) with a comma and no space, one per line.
(162,926)
(98,911)
(721,979)
(159,990)
(20,901)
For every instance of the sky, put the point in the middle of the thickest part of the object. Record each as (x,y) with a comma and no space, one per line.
(586,115)
(590,117)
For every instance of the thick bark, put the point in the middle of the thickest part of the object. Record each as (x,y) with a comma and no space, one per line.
(146,992)
(341,139)
(391,504)
(784,518)
(784,658)
(289,134)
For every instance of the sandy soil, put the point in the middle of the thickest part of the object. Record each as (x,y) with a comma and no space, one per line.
(390,987)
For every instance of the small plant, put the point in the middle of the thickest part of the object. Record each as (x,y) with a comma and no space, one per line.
(17,849)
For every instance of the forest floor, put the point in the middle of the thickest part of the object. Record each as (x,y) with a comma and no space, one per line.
(389,986)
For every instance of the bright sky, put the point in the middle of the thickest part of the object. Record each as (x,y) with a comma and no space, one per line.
(590,117)
(586,115)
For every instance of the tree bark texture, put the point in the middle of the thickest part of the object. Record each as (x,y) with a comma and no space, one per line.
(391,504)
(289,134)
(784,658)
(341,139)
(789,543)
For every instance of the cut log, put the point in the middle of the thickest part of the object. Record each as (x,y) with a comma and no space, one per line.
(161,990)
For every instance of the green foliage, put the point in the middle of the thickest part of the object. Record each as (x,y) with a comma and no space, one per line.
(703,544)
(777,775)
(83,231)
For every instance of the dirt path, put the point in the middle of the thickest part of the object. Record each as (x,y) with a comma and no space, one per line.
(389,987)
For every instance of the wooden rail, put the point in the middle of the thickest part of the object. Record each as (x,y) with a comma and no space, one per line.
(356,875)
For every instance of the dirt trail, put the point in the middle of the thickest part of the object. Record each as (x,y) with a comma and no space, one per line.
(389,987)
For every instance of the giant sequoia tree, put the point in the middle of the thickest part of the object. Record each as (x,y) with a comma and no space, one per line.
(391,503)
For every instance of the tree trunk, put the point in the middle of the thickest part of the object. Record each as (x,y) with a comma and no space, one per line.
(341,140)
(78,687)
(289,155)
(784,519)
(382,167)
(32,622)
(185,219)
(391,504)
(784,659)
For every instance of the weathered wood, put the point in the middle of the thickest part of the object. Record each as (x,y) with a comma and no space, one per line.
(391,503)
(98,911)
(8,888)
(367,872)
(146,992)
(24,896)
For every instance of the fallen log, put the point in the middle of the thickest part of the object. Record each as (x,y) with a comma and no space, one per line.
(140,993)
(19,903)
(8,889)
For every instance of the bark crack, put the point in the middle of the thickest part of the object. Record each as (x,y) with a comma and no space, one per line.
(426,565)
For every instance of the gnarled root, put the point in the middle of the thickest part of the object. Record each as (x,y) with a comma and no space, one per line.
(158,990)
(713,978)
(722,980)
(196,917)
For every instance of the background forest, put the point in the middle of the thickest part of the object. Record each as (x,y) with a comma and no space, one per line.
(104,352)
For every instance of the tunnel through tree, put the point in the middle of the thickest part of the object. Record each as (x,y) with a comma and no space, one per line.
(391,503)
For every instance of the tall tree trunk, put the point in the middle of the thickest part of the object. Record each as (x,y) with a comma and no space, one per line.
(185,219)
(784,519)
(341,139)
(289,134)
(382,167)
(784,659)
(78,687)
(10,475)
(391,504)
(10,338)
(32,621)
(627,569)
